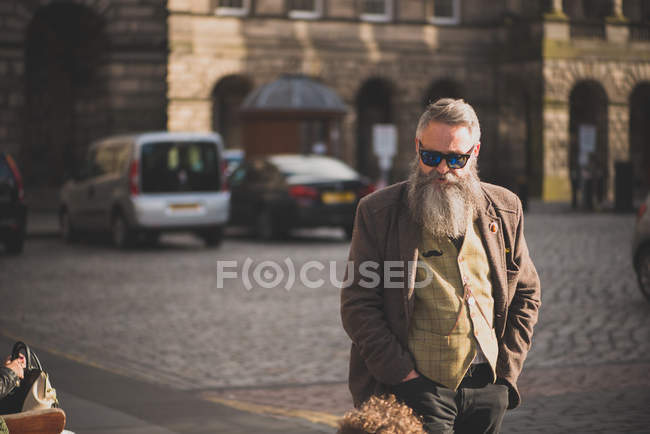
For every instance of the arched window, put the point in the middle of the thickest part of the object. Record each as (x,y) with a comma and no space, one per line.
(640,137)
(588,150)
(442,89)
(374,106)
(66,91)
(227,97)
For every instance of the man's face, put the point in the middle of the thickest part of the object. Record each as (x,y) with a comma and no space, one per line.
(447,139)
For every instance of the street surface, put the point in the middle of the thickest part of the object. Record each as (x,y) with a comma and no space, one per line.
(157,315)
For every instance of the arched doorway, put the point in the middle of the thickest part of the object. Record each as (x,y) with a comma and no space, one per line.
(374,106)
(444,88)
(513,165)
(227,98)
(65,87)
(640,138)
(588,149)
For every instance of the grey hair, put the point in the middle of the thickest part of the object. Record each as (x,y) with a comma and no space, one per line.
(450,111)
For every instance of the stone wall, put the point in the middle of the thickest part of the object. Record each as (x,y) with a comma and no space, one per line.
(128,89)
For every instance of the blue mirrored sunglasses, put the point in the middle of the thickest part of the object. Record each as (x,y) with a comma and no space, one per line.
(454,161)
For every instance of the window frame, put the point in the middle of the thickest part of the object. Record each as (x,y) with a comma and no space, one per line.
(446,21)
(380,18)
(298,14)
(227,11)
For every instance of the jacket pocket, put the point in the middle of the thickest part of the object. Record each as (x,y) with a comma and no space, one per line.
(513,278)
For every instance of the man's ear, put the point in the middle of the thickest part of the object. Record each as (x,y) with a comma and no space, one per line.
(416,145)
(477,148)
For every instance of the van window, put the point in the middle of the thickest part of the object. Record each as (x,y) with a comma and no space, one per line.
(180,166)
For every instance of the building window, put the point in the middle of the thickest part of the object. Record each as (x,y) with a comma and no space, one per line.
(235,8)
(377,10)
(305,9)
(445,12)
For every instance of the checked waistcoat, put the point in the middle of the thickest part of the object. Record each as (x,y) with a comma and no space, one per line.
(454,308)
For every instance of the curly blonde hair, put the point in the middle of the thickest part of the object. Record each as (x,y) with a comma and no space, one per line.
(381,415)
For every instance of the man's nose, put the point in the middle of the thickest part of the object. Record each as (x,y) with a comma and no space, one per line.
(442,168)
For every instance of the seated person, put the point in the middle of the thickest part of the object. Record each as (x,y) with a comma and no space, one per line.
(11,374)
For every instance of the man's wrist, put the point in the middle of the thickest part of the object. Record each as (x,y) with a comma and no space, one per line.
(411,375)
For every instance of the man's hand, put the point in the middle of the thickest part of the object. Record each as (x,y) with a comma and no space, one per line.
(410,376)
(17,365)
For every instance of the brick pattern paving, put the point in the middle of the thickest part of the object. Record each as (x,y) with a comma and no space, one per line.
(157,314)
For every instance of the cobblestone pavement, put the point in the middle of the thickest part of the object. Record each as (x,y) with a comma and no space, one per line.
(158,314)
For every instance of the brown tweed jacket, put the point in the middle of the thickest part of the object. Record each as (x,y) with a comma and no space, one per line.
(377,318)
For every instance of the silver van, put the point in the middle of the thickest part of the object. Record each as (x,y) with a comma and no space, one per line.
(137,186)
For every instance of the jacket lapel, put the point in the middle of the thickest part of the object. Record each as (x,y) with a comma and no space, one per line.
(491,228)
(409,238)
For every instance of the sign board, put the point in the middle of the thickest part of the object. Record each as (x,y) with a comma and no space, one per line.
(384,139)
(586,143)
(384,144)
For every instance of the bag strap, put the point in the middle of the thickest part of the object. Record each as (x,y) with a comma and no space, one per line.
(31,359)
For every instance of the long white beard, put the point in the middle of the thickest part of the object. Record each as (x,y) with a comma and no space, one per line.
(443,209)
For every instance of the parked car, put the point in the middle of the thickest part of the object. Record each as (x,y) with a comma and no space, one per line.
(277,193)
(137,186)
(641,247)
(13,211)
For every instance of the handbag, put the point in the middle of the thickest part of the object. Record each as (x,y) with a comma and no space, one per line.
(35,390)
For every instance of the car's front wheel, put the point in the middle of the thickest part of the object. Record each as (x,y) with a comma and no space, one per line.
(643,271)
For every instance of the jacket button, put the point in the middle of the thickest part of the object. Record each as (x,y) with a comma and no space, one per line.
(499,315)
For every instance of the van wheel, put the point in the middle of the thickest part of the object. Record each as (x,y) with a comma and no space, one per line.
(121,235)
(68,232)
(213,236)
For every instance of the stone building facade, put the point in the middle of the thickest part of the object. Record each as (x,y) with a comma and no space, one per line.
(561,88)
(73,71)
(538,73)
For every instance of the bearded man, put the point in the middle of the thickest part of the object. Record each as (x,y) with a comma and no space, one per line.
(446,320)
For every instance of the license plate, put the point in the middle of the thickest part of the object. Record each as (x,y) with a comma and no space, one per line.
(184,206)
(334,197)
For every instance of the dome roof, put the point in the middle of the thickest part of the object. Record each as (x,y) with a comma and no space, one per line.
(294,93)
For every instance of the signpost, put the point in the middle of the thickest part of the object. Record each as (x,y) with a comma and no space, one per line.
(384,146)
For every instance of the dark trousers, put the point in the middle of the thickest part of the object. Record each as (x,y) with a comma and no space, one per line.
(476,407)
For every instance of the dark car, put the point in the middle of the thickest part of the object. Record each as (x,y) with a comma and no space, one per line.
(641,247)
(277,193)
(13,211)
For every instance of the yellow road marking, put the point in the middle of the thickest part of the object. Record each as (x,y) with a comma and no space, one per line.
(311,416)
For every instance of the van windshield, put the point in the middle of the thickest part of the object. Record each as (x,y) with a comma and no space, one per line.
(179,166)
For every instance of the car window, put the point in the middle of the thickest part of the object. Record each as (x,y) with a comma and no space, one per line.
(180,166)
